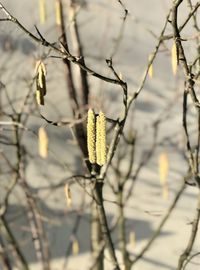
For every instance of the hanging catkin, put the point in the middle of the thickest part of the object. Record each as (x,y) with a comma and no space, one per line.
(91,136)
(101,139)
(151,69)
(40,82)
(42,142)
(58,12)
(42,11)
(174,58)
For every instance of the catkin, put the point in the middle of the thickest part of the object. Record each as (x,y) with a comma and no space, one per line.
(91,136)
(101,139)
(40,82)
(98,141)
(68,195)
(42,11)
(43,142)
(174,58)
(151,69)
(75,247)
(58,12)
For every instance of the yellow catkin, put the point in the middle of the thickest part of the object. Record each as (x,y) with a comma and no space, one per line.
(151,70)
(75,247)
(39,98)
(68,195)
(91,136)
(101,139)
(98,141)
(42,11)
(132,239)
(58,12)
(174,58)
(40,70)
(163,173)
(41,74)
(165,191)
(163,167)
(43,142)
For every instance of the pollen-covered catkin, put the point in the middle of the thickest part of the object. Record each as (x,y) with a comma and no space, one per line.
(174,58)
(98,141)
(101,139)
(58,12)
(42,9)
(43,142)
(91,136)
(40,82)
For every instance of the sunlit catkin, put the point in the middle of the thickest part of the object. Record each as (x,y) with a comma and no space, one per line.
(163,172)
(40,70)
(151,70)
(132,239)
(163,167)
(58,12)
(174,58)
(98,141)
(101,139)
(91,136)
(75,246)
(68,195)
(42,142)
(42,11)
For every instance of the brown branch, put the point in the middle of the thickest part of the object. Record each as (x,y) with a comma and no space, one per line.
(14,243)
(76,42)
(193,235)
(63,53)
(68,68)
(98,185)
(162,223)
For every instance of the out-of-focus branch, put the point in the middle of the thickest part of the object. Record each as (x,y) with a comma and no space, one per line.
(14,243)
(162,223)
(61,51)
(76,42)
(192,238)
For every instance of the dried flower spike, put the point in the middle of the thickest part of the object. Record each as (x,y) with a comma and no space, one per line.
(91,136)
(101,139)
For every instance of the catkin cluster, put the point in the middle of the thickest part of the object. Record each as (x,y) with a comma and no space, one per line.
(40,82)
(96,137)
